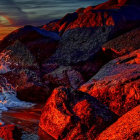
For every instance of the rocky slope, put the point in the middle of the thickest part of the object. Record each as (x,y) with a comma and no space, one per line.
(85,67)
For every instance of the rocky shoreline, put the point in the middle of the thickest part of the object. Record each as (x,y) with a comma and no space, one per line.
(81,71)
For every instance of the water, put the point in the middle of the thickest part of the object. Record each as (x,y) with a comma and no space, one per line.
(8,97)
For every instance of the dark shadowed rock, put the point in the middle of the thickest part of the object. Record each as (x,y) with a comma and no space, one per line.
(117,84)
(125,43)
(126,127)
(18,63)
(113,4)
(64,76)
(83,36)
(70,114)
(39,42)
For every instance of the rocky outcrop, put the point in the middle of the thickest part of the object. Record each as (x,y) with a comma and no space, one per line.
(125,43)
(126,127)
(39,42)
(74,115)
(83,42)
(9,132)
(113,4)
(64,76)
(18,63)
(117,83)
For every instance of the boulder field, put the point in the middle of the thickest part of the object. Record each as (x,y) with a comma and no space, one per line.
(85,68)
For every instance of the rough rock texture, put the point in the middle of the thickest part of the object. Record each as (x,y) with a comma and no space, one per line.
(35,60)
(82,39)
(64,76)
(73,114)
(9,132)
(125,43)
(85,31)
(39,42)
(117,84)
(18,63)
(113,4)
(126,127)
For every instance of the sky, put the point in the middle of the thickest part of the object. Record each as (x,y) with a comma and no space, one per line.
(17,13)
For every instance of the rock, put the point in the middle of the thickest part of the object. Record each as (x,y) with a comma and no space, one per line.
(21,65)
(64,76)
(52,26)
(34,93)
(117,84)
(9,132)
(126,127)
(43,135)
(82,40)
(70,114)
(113,4)
(18,55)
(39,42)
(125,43)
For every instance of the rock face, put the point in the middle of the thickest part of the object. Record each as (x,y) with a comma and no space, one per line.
(82,39)
(9,132)
(126,127)
(64,76)
(113,4)
(74,115)
(20,64)
(125,43)
(39,42)
(22,55)
(117,83)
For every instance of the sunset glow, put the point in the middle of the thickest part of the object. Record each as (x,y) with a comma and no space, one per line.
(5,26)
(6,30)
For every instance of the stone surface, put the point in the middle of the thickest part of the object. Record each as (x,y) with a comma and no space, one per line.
(117,83)
(126,127)
(125,43)
(64,76)
(9,132)
(73,114)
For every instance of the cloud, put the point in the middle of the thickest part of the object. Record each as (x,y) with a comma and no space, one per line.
(38,12)
(10,10)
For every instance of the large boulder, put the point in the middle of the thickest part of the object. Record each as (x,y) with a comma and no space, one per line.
(117,84)
(126,127)
(70,114)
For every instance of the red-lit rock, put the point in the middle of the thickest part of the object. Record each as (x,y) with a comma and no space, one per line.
(126,127)
(82,35)
(64,76)
(9,132)
(70,114)
(117,84)
(116,4)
